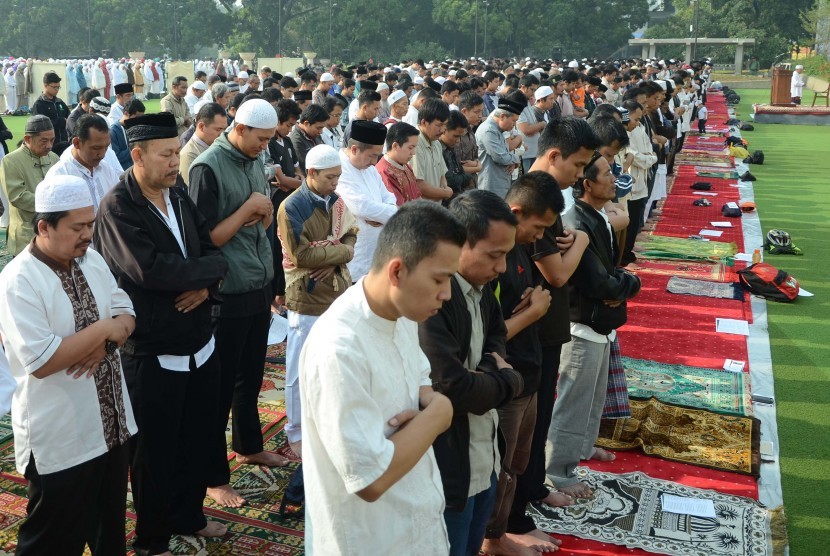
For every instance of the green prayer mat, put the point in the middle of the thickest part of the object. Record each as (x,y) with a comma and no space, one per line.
(713,389)
(665,247)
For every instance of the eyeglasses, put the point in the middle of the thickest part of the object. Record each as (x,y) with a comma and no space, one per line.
(54,86)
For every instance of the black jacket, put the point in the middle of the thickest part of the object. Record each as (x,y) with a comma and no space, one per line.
(57,111)
(597,279)
(148,264)
(445,338)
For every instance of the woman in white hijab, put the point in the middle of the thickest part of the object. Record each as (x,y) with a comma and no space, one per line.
(74,87)
(11,91)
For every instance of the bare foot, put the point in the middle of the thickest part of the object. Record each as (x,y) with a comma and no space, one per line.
(558,499)
(538,543)
(602,455)
(297,448)
(505,546)
(226,496)
(213,529)
(579,490)
(265,457)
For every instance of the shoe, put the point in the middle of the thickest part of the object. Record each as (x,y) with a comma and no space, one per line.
(747,176)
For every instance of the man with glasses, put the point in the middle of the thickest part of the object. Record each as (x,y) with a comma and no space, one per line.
(55,109)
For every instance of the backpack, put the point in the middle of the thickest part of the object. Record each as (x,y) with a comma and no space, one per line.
(743,126)
(757,157)
(779,242)
(770,283)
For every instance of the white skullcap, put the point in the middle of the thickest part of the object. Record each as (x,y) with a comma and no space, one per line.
(418,80)
(395,97)
(242,75)
(382,87)
(289,74)
(256,113)
(573,64)
(326,77)
(60,193)
(799,67)
(542,92)
(199,85)
(322,157)
(440,80)
(387,70)
(661,83)
(453,72)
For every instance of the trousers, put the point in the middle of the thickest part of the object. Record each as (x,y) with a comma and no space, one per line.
(298,328)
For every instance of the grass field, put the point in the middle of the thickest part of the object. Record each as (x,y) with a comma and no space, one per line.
(792,194)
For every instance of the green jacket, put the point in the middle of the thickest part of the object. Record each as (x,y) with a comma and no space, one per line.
(248,252)
(20,174)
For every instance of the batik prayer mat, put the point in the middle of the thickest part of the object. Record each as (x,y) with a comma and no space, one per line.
(689,435)
(732,174)
(716,272)
(711,389)
(273,383)
(713,167)
(704,288)
(627,510)
(256,529)
(667,247)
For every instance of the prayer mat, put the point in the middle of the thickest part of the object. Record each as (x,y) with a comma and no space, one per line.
(717,272)
(732,174)
(704,288)
(689,435)
(627,510)
(667,247)
(711,389)
(273,383)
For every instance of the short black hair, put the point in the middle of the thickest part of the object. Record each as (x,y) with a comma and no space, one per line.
(449,87)
(536,193)
(199,74)
(51,218)
(528,80)
(568,134)
(469,100)
(367,96)
(428,93)
(476,209)
(87,123)
(287,109)
(634,92)
(608,129)
(570,76)
(271,94)
(631,105)
(332,102)
(433,109)
(457,120)
(314,114)
(134,107)
(414,232)
(209,111)
(87,96)
(178,80)
(288,83)
(400,133)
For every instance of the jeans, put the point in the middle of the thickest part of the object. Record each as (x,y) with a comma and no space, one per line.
(465,528)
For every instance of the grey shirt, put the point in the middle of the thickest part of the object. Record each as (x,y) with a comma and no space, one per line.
(495,158)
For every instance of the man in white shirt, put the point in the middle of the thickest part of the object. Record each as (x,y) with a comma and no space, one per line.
(63,318)
(370,414)
(362,189)
(123,95)
(797,84)
(194,94)
(158,247)
(87,158)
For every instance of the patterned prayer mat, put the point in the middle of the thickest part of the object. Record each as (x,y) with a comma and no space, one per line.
(253,530)
(627,510)
(666,247)
(704,288)
(716,272)
(732,174)
(712,389)
(689,435)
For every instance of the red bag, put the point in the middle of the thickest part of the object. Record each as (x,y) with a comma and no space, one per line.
(770,283)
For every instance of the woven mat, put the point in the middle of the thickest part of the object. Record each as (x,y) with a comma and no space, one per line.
(627,510)
(678,248)
(716,272)
(690,435)
(732,174)
(711,389)
(704,288)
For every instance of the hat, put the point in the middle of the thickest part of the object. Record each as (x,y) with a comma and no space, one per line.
(100,105)
(59,193)
(123,88)
(256,113)
(326,77)
(510,106)
(418,80)
(624,115)
(322,157)
(48,77)
(440,80)
(368,132)
(383,87)
(37,124)
(242,75)
(542,92)
(573,64)
(799,67)
(395,97)
(151,126)
(199,85)
(233,87)
(302,96)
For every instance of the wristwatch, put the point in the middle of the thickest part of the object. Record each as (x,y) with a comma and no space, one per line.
(110,347)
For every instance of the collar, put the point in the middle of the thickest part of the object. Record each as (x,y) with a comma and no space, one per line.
(467,287)
(393,163)
(86,171)
(423,139)
(134,191)
(378,323)
(46,259)
(198,141)
(316,201)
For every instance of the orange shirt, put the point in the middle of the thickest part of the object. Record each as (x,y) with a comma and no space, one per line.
(578,98)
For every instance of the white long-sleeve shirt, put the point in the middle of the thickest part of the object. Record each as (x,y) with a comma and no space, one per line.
(368,199)
(644,158)
(797,84)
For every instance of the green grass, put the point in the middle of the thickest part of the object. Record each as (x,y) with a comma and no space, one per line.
(791,194)
(17,123)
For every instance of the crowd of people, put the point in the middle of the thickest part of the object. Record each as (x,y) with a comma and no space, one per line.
(447,241)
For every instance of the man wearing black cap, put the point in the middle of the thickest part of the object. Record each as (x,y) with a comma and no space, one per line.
(497,154)
(123,95)
(302,98)
(158,246)
(53,108)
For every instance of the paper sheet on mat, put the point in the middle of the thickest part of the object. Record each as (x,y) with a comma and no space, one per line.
(688,506)
(732,326)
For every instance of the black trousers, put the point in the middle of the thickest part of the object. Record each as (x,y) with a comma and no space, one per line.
(636,210)
(174,412)
(530,485)
(240,344)
(68,509)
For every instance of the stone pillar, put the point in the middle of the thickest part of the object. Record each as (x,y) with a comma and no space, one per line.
(739,58)
(688,51)
(644,53)
(652,50)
